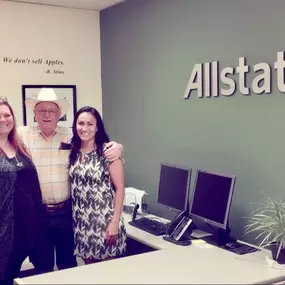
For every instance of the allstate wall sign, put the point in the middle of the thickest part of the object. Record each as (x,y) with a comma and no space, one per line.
(206,78)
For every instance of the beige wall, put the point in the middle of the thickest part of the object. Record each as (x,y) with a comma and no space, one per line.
(32,32)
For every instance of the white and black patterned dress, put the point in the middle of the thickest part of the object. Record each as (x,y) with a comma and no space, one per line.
(93,198)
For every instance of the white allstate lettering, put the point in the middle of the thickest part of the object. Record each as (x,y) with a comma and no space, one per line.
(228,81)
(206,78)
(279,65)
(195,81)
(242,69)
(214,79)
(264,77)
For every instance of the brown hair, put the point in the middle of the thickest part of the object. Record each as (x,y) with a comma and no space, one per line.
(13,136)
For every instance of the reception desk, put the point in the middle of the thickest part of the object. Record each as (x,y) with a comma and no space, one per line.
(167,263)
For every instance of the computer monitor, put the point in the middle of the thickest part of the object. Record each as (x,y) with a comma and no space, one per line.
(212,197)
(174,184)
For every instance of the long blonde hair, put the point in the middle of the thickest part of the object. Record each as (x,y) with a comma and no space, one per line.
(13,136)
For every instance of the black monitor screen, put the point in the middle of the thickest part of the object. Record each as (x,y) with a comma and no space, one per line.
(212,197)
(174,187)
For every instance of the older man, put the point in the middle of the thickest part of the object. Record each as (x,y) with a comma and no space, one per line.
(51,156)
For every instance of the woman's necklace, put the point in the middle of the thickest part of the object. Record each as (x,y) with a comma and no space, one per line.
(8,150)
(18,163)
(85,151)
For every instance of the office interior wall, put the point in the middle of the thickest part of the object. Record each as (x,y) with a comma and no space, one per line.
(31,33)
(149,48)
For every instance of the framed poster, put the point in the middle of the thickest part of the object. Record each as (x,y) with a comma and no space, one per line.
(67,92)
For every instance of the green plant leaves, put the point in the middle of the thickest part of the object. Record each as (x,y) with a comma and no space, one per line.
(269,221)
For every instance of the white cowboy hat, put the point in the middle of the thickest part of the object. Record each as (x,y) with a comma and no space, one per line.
(48,95)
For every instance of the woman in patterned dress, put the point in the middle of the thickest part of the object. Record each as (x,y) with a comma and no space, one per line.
(97,189)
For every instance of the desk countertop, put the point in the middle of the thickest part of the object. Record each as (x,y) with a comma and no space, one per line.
(198,263)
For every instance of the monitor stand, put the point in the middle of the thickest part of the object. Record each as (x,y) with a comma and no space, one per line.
(199,234)
(219,238)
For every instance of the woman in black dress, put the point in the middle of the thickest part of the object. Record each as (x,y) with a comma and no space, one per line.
(20,200)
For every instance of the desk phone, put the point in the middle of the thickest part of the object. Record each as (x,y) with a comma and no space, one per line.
(177,230)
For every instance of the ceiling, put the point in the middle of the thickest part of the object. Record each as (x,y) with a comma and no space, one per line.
(97,5)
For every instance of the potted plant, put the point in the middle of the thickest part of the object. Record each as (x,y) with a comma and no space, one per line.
(268,221)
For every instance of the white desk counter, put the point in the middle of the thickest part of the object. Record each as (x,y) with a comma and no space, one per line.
(198,263)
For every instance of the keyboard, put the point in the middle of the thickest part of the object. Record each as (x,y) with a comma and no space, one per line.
(240,248)
(151,226)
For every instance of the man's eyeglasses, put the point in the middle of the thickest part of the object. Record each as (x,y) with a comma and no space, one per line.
(49,111)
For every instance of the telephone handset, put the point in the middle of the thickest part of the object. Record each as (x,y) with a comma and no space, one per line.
(177,229)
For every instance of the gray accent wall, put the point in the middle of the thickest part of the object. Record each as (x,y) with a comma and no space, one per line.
(149,48)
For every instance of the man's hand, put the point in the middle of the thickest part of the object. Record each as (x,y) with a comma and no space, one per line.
(113,151)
